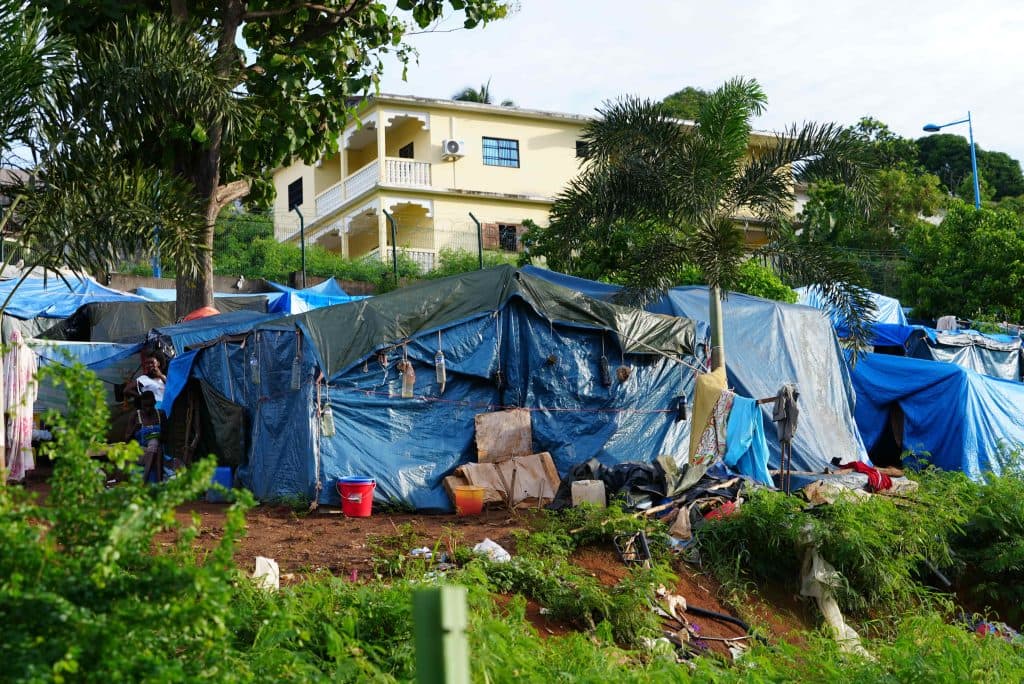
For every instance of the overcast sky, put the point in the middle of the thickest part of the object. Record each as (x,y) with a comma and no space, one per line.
(905,62)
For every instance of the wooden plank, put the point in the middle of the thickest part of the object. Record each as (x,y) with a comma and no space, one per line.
(501,435)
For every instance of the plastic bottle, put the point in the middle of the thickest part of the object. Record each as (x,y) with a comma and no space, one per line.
(408,380)
(254,368)
(296,373)
(327,421)
(440,370)
(606,373)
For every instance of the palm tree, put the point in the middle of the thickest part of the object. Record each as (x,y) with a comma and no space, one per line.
(654,195)
(86,203)
(483,95)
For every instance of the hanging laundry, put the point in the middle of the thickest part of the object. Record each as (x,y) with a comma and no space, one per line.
(712,444)
(707,391)
(19,398)
(746,446)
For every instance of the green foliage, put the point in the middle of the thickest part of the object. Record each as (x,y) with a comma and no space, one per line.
(84,595)
(752,278)
(245,245)
(948,156)
(685,103)
(481,95)
(972,264)
(455,261)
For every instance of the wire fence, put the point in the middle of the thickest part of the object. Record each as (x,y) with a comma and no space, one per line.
(427,246)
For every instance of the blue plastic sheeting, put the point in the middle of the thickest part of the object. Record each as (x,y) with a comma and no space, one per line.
(292,301)
(996,355)
(95,356)
(55,299)
(769,344)
(889,334)
(746,448)
(183,335)
(887,309)
(409,445)
(178,372)
(161,294)
(956,418)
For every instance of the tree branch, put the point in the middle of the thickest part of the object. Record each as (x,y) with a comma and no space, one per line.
(340,13)
(226,194)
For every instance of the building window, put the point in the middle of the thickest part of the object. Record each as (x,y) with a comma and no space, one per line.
(508,237)
(581,149)
(294,193)
(405,152)
(501,152)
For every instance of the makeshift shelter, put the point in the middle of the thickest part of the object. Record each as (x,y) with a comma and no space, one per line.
(323,395)
(769,344)
(996,355)
(130,321)
(887,309)
(166,294)
(951,416)
(38,304)
(293,301)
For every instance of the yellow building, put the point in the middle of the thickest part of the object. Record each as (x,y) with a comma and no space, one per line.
(434,166)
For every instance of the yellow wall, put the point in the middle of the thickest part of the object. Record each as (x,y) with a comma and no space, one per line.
(357,159)
(411,131)
(285,222)
(327,174)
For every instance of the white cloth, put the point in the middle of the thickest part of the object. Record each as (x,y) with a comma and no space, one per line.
(154,385)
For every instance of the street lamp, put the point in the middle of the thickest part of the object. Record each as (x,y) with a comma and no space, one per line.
(933,128)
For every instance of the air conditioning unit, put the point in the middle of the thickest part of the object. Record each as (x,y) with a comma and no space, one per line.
(453,149)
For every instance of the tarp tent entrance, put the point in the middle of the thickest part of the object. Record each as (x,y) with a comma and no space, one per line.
(950,416)
(769,344)
(509,339)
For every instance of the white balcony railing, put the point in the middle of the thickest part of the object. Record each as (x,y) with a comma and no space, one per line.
(330,199)
(400,172)
(361,181)
(407,172)
(424,258)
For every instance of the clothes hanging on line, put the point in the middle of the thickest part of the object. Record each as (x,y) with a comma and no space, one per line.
(746,445)
(19,389)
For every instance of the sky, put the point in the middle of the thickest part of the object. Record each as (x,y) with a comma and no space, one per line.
(904,62)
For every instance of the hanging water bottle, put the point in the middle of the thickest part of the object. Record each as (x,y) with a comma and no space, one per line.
(327,421)
(254,368)
(408,380)
(440,370)
(296,373)
(606,373)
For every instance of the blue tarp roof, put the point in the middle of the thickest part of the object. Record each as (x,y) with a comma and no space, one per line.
(183,335)
(293,301)
(956,418)
(53,298)
(767,345)
(887,309)
(164,294)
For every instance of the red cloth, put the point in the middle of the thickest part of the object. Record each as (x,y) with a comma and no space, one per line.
(728,508)
(876,481)
(201,312)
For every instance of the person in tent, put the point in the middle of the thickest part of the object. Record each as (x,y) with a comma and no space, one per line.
(146,427)
(151,378)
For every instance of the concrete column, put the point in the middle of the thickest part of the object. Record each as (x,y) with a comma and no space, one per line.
(343,236)
(381,126)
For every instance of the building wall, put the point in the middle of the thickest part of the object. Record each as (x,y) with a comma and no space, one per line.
(286,222)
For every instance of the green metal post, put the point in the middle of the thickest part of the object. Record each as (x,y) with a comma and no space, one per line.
(394,243)
(479,240)
(302,243)
(439,626)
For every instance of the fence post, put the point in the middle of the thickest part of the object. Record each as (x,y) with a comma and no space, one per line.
(479,240)
(439,627)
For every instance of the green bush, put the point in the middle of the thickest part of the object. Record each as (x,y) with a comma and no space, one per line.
(753,279)
(454,261)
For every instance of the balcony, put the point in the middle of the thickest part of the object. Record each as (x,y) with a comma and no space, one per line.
(424,258)
(402,173)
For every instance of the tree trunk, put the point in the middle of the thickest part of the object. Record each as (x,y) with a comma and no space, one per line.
(717,328)
(194,292)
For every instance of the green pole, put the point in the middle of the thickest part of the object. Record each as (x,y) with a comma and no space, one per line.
(302,243)
(479,240)
(717,328)
(439,626)
(394,243)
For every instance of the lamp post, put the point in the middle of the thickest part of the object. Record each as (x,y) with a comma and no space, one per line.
(933,128)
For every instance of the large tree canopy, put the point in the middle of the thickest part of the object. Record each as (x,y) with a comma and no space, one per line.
(971,265)
(948,156)
(298,64)
(655,194)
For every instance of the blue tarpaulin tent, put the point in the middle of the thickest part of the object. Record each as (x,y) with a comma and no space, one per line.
(327,293)
(509,340)
(163,294)
(956,418)
(769,344)
(995,355)
(887,309)
(53,298)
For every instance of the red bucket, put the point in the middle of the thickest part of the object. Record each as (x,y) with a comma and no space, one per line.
(356,496)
